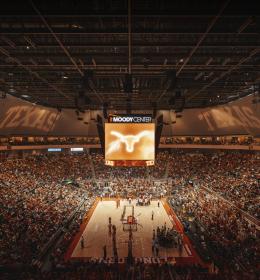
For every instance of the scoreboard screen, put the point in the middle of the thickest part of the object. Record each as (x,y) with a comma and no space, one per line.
(130,138)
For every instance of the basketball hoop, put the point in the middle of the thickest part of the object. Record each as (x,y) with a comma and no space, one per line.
(130,224)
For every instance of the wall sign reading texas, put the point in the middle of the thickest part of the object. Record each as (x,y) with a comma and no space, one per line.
(28,117)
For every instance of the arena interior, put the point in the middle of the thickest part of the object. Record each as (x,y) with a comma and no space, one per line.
(129,140)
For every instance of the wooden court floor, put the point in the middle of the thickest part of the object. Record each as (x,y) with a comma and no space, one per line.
(96,233)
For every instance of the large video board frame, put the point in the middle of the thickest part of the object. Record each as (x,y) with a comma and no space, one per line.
(130,138)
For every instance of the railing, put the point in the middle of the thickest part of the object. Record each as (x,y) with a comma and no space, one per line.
(92,166)
(45,146)
(59,232)
(251,147)
(246,215)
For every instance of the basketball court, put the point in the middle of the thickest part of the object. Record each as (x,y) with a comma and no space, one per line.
(96,233)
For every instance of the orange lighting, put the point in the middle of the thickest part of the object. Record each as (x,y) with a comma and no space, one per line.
(129,141)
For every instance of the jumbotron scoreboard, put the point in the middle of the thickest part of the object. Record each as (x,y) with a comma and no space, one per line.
(129,140)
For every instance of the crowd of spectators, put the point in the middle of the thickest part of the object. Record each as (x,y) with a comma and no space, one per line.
(224,140)
(99,270)
(96,270)
(218,227)
(35,203)
(159,170)
(235,176)
(107,173)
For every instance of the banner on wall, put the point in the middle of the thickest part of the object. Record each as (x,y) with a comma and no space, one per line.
(19,117)
(235,118)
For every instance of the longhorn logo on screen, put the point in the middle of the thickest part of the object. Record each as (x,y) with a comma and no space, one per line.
(128,140)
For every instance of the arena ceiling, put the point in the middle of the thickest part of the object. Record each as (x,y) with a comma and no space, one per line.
(53,51)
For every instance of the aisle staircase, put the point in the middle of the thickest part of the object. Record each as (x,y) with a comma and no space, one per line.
(92,166)
(148,176)
(167,169)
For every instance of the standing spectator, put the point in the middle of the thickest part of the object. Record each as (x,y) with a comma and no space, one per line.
(82,243)
(104,252)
